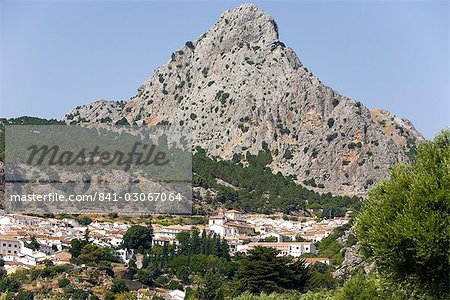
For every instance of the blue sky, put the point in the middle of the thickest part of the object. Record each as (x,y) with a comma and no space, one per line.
(389,54)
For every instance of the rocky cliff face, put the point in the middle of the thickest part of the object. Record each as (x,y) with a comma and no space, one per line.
(238,87)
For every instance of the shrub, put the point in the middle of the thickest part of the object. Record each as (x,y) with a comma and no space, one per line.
(205,72)
(190,45)
(122,121)
(335,102)
(63,282)
(288,154)
(331,137)
(330,122)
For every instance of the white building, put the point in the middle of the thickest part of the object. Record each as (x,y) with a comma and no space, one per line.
(170,231)
(223,230)
(294,249)
(9,245)
(232,214)
(227,223)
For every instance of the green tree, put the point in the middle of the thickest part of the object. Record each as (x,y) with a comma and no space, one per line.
(405,223)
(10,284)
(33,244)
(262,270)
(93,255)
(320,277)
(113,215)
(84,220)
(63,282)
(210,287)
(138,237)
(24,295)
(119,286)
(75,247)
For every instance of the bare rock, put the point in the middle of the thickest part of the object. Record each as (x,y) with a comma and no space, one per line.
(238,87)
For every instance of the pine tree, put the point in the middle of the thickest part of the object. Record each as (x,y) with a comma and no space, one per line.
(203,246)
(195,243)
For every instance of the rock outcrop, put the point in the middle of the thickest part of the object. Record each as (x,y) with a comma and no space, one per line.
(238,87)
(352,262)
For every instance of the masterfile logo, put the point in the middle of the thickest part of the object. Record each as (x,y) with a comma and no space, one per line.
(98,168)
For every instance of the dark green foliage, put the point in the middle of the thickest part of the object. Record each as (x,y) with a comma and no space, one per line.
(310,182)
(164,123)
(84,220)
(331,248)
(33,244)
(366,287)
(63,282)
(118,286)
(354,145)
(262,270)
(190,45)
(288,154)
(138,238)
(331,137)
(259,190)
(210,287)
(105,120)
(94,255)
(261,160)
(224,97)
(315,153)
(320,277)
(335,102)
(205,72)
(9,283)
(330,122)
(24,295)
(249,61)
(205,256)
(75,247)
(405,222)
(113,215)
(243,128)
(122,121)
(74,293)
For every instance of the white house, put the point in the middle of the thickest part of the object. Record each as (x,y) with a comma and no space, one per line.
(124,254)
(232,214)
(294,249)
(170,231)
(223,230)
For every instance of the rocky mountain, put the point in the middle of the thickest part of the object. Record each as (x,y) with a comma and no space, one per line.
(239,89)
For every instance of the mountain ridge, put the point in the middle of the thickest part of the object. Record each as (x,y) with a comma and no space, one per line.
(239,88)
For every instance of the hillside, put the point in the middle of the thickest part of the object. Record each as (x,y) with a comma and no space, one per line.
(239,87)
